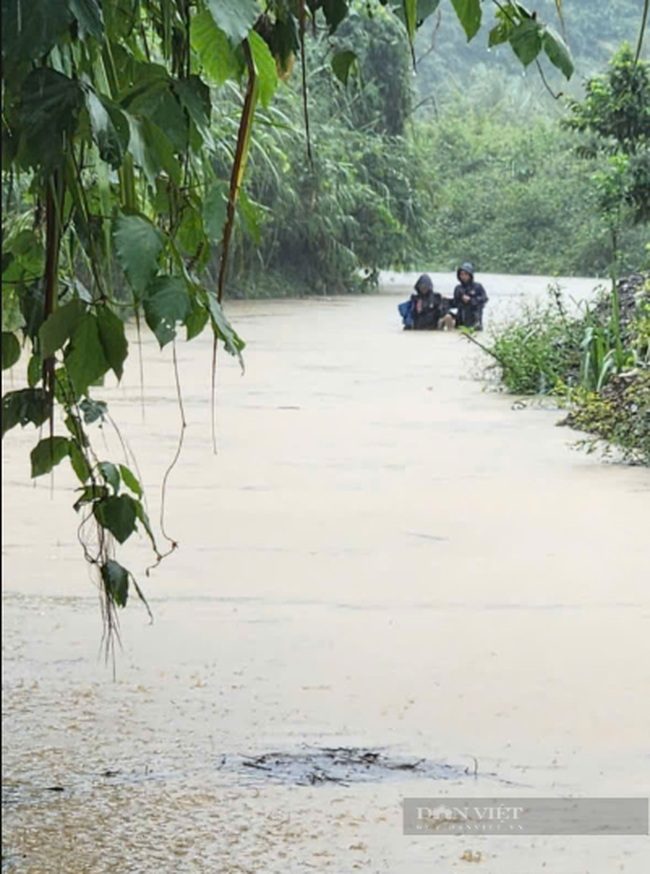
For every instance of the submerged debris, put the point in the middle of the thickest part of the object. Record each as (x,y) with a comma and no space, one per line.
(342,765)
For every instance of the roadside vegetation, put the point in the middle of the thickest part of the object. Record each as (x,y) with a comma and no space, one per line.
(598,362)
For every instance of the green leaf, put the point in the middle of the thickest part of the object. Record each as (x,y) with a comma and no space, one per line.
(526,40)
(234,17)
(469,14)
(252,214)
(10,350)
(78,462)
(90,16)
(167,303)
(117,514)
(212,47)
(215,210)
(93,411)
(60,326)
(86,363)
(111,474)
(50,104)
(113,339)
(110,129)
(48,453)
(196,319)
(190,233)
(30,30)
(557,52)
(89,494)
(410,16)
(501,33)
(138,245)
(343,63)
(130,480)
(334,12)
(155,100)
(144,520)
(116,582)
(194,94)
(267,72)
(34,371)
(24,406)
(223,329)
(12,318)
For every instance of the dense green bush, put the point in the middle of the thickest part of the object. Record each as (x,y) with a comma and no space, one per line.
(597,363)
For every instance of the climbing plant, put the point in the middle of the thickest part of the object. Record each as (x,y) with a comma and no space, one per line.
(115,204)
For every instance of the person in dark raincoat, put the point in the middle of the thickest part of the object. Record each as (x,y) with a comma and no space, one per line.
(425,308)
(469,299)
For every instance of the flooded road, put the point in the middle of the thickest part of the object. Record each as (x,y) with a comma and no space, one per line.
(382,555)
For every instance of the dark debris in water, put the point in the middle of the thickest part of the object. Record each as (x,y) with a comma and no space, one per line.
(342,765)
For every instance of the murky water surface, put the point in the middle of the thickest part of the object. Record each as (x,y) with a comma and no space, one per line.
(382,556)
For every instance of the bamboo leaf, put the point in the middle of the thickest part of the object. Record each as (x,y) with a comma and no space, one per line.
(267,73)
(90,16)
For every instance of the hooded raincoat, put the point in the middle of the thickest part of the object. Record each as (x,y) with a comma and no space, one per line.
(470,314)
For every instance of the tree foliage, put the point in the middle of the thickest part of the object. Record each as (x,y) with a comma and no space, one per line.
(120,186)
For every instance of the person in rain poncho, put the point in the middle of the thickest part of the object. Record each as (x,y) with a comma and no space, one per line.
(469,299)
(425,308)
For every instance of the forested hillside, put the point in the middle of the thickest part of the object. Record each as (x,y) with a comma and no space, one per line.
(466,159)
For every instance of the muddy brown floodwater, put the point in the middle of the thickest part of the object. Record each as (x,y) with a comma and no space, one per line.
(382,555)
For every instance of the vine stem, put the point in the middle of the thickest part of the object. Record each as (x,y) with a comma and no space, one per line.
(177,454)
(644,21)
(235,183)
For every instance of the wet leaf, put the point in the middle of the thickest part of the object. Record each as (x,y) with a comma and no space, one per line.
(343,63)
(48,453)
(130,480)
(138,245)
(113,339)
(86,363)
(118,515)
(111,474)
(469,14)
(24,406)
(10,350)
(234,17)
(167,303)
(116,582)
(59,326)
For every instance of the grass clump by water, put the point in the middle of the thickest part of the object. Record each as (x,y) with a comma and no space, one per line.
(596,363)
